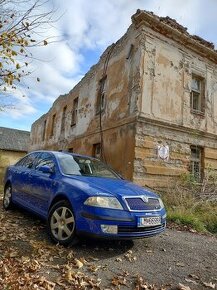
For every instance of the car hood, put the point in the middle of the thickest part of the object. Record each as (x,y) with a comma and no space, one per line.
(116,187)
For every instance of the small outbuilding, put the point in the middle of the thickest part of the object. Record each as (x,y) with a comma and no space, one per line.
(13,145)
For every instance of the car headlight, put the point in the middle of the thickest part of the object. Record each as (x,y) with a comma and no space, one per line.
(161,203)
(103,201)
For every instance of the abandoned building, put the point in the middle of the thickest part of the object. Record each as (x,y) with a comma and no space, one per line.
(148,107)
(13,145)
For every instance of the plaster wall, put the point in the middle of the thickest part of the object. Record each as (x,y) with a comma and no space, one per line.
(167,68)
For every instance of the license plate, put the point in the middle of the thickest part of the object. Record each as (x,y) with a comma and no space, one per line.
(149,221)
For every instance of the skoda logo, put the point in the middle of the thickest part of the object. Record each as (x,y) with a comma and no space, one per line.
(145,198)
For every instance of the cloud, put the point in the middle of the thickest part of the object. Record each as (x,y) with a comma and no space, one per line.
(17,105)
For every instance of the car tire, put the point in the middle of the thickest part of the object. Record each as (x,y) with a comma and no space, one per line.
(62,224)
(7,198)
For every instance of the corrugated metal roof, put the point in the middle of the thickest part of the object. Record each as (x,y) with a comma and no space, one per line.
(14,140)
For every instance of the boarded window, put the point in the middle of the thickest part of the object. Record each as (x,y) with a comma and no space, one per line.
(53,125)
(97,150)
(197,94)
(196,162)
(100,103)
(74,112)
(44,130)
(63,123)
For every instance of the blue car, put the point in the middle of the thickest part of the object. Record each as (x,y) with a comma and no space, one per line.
(80,195)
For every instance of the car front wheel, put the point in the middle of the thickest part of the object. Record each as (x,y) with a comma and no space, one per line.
(7,199)
(61,223)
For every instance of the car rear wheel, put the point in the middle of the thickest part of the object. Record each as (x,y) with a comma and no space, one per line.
(62,224)
(7,199)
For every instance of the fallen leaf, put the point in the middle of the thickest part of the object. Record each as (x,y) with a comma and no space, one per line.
(180,264)
(78,264)
(119,280)
(149,251)
(191,281)
(183,287)
(194,276)
(209,285)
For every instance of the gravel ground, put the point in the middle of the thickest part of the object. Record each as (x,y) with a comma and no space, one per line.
(168,259)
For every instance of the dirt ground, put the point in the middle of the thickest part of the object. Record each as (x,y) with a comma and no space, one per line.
(173,260)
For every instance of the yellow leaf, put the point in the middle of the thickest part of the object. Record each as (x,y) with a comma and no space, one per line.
(78,263)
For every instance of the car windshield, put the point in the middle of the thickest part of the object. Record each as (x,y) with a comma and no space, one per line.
(80,165)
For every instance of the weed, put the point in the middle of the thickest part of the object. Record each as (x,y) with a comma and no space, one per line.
(186,207)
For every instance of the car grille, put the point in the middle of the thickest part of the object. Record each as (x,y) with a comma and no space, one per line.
(126,230)
(137,203)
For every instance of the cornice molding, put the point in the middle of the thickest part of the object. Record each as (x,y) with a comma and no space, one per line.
(176,127)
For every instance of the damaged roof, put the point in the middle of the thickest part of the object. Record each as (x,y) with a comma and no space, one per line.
(172,29)
(14,140)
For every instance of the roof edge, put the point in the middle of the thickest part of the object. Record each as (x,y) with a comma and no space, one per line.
(175,31)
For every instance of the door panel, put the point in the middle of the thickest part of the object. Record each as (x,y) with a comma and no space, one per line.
(21,179)
(43,185)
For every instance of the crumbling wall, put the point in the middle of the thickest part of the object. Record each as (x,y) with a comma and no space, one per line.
(166,117)
(114,127)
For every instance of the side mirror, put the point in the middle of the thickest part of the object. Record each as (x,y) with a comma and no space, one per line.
(46,169)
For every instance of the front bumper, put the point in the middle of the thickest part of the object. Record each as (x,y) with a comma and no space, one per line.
(91,219)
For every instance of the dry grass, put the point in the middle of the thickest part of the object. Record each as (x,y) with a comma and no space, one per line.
(184,206)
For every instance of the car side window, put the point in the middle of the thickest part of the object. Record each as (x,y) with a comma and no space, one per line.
(45,159)
(27,161)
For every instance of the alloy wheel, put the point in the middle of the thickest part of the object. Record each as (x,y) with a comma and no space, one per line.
(7,197)
(62,223)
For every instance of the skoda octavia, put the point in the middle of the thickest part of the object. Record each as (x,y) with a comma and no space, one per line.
(80,195)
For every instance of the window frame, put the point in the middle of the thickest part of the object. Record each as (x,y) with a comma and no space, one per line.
(197,161)
(199,93)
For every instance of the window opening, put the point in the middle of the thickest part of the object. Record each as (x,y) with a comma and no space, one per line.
(196,163)
(53,126)
(74,112)
(197,94)
(97,150)
(63,119)
(44,130)
(100,105)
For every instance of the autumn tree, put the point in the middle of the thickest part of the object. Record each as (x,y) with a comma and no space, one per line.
(23,24)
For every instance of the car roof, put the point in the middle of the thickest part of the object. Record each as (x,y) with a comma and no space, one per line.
(55,153)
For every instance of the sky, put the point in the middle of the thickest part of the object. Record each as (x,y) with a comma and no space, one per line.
(84,28)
